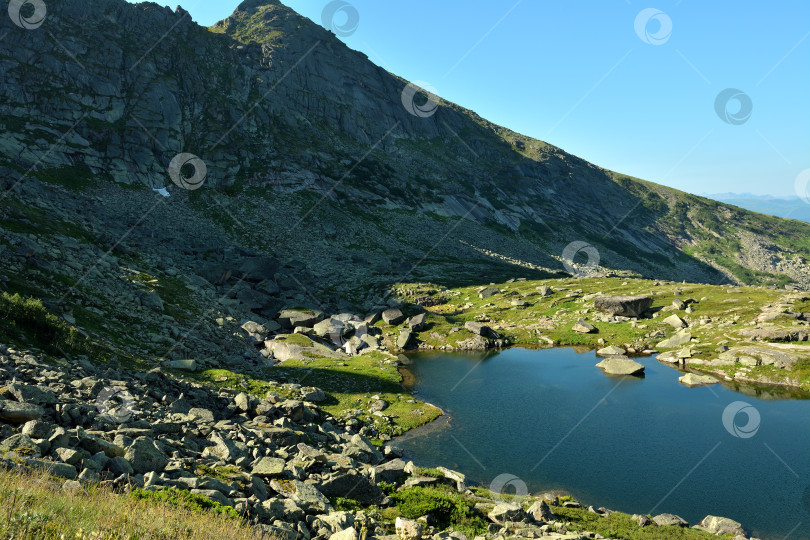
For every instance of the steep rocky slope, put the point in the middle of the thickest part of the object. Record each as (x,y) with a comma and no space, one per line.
(313,156)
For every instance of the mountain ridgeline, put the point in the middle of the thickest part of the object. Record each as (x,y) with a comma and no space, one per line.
(314,158)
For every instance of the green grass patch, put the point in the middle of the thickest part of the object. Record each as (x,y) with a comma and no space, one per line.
(619,525)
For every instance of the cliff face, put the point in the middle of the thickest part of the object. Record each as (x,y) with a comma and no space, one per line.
(314,153)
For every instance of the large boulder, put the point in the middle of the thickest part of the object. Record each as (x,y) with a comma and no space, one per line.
(269,467)
(304,495)
(625,306)
(13,412)
(541,512)
(393,316)
(507,512)
(21,444)
(390,471)
(405,339)
(32,394)
(144,456)
(488,292)
(482,330)
(223,448)
(620,365)
(720,525)
(583,327)
(664,520)
(675,322)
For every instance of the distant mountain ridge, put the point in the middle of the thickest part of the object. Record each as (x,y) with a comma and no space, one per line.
(314,157)
(785,207)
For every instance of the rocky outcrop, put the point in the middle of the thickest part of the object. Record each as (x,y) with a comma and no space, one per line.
(243,98)
(625,306)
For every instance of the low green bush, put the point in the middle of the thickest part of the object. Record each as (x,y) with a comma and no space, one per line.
(28,316)
(448,508)
(185,499)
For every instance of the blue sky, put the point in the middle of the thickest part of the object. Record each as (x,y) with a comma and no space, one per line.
(578,75)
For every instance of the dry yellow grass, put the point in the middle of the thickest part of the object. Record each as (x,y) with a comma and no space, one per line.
(35,506)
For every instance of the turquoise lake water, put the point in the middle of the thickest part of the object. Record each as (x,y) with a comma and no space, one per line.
(636,445)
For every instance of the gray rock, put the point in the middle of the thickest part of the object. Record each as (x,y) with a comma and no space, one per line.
(663,520)
(541,511)
(345,534)
(95,444)
(352,485)
(306,496)
(620,365)
(488,292)
(417,322)
(21,444)
(19,413)
(390,471)
(481,329)
(118,466)
(693,379)
(282,509)
(504,512)
(315,395)
(583,327)
(642,521)
(544,290)
(223,448)
(612,350)
(69,456)
(393,316)
(405,339)
(675,322)
(408,529)
(680,338)
(720,526)
(144,456)
(32,394)
(268,467)
(624,306)
(62,470)
(151,300)
(37,429)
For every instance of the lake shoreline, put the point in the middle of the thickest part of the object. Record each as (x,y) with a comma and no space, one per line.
(444,421)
